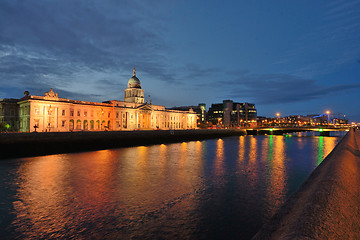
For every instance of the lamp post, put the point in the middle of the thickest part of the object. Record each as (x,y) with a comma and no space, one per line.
(328,117)
(101,116)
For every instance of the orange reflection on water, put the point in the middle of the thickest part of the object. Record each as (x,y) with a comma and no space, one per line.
(40,193)
(93,173)
(183,155)
(252,167)
(163,149)
(147,187)
(241,150)
(219,160)
(330,143)
(276,177)
(324,146)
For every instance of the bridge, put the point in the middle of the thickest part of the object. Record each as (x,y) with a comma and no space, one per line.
(323,130)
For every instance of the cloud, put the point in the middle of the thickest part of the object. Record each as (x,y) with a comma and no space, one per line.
(42,41)
(281,88)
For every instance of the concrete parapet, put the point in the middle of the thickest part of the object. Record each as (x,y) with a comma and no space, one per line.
(327,205)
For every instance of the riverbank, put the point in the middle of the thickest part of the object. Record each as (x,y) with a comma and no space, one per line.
(327,205)
(36,144)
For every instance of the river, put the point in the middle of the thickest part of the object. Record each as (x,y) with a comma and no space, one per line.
(213,189)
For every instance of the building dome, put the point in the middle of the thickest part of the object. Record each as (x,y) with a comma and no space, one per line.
(134,82)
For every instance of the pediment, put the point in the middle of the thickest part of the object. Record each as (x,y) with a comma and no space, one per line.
(145,107)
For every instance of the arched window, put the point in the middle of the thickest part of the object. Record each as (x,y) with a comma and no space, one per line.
(78,125)
(85,125)
(71,125)
(92,125)
(98,124)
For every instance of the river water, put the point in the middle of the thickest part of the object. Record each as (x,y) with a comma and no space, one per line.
(213,189)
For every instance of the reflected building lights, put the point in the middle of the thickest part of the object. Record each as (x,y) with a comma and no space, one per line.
(276,192)
(320,150)
(41,191)
(241,149)
(183,155)
(163,152)
(219,161)
(329,145)
(324,146)
(139,190)
(251,167)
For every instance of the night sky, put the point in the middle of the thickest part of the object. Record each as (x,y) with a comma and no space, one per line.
(291,57)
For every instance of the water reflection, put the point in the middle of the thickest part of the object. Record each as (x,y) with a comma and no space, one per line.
(252,165)
(241,150)
(324,147)
(219,160)
(194,190)
(276,177)
(321,150)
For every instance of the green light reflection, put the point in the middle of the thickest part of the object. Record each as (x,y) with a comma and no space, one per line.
(320,150)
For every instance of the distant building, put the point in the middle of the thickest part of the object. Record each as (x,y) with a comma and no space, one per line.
(200,111)
(51,113)
(9,114)
(303,121)
(232,114)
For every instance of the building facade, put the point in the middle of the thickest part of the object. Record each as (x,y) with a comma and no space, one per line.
(232,114)
(51,113)
(9,114)
(200,111)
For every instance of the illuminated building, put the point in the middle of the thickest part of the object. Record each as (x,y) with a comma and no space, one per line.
(232,114)
(200,111)
(52,113)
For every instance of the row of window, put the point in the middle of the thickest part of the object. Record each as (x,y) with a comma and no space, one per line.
(78,113)
(85,114)
(92,125)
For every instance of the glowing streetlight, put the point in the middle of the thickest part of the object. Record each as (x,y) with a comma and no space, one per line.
(328,116)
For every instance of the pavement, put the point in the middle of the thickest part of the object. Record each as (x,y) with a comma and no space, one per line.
(327,205)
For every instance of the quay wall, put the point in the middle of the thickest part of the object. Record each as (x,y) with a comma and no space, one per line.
(13,145)
(327,205)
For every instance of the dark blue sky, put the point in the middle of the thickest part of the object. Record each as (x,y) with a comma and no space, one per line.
(292,57)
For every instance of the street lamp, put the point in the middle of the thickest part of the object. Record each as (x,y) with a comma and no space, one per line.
(328,117)
(278,115)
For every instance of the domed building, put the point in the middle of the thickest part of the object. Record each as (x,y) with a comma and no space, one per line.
(50,113)
(134,93)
